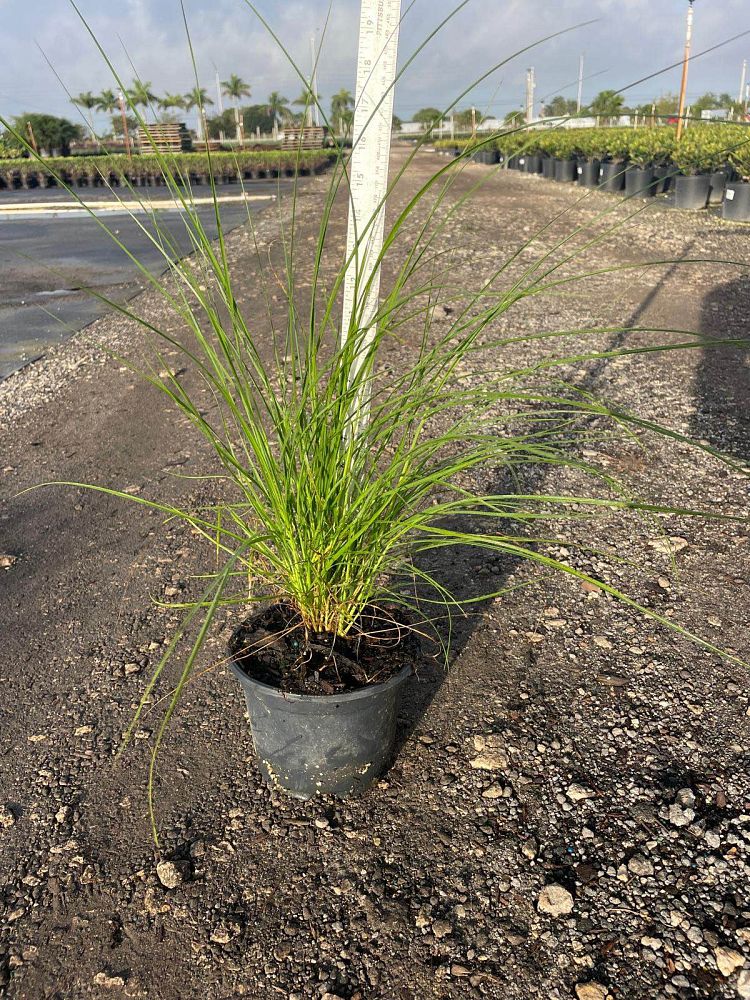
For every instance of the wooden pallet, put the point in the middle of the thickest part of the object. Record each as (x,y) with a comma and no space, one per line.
(309,137)
(168,137)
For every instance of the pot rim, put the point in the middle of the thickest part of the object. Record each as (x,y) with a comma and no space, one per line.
(368,691)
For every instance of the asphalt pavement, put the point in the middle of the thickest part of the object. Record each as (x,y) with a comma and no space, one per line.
(48,259)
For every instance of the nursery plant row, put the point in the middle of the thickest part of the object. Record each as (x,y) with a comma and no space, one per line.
(709,164)
(146,170)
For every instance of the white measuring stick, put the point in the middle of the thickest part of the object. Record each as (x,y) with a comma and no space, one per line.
(368,171)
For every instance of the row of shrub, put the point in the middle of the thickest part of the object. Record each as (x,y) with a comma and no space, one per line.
(700,149)
(118,170)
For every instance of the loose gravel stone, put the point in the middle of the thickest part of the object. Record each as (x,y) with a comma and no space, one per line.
(727,960)
(555,900)
(108,982)
(578,793)
(169,874)
(7,819)
(591,991)
(489,761)
(640,866)
(680,817)
(441,928)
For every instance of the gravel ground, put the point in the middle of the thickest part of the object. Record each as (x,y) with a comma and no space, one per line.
(569,811)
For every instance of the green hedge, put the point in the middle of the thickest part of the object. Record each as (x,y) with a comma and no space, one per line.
(119,169)
(701,148)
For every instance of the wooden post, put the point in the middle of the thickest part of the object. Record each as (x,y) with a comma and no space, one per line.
(125,135)
(32,138)
(685,61)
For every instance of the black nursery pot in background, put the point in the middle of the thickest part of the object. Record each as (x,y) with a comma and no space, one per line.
(486,156)
(612,177)
(663,178)
(533,164)
(639,182)
(717,184)
(691,193)
(588,173)
(548,167)
(565,171)
(736,206)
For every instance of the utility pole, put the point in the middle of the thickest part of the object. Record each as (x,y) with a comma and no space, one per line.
(368,185)
(219,96)
(312,111)
(530,95)
(743,78)
(219,102)
(685,61)
(579,101)
(473,122)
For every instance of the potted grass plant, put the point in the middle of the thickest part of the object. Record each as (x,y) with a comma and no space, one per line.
(337,475)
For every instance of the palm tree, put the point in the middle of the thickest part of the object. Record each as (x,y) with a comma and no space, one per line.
(341,103)
(307,101)
(607,104)
(198,98)
(140,93)
(278,108)
(88,102)
(107,102)
(236,88)
(171,101)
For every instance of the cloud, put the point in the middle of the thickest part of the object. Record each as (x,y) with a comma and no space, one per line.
(627,41)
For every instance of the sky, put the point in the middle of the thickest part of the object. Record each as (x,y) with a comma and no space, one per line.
(628,40)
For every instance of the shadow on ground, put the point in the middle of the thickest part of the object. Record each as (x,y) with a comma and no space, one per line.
(722,418)
(722,382)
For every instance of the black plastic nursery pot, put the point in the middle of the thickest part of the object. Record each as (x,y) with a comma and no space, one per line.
(532,164)
(663,178)
(588,173)
(565,171)
(691,193)
(514,163)
(717,182)
(640,182)
(736,206)
(486,156)
(548,167)
(335,744)
(612,177)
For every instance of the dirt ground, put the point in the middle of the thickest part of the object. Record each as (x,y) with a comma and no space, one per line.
(569,810)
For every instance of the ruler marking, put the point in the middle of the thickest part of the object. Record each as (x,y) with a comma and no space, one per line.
(371,135)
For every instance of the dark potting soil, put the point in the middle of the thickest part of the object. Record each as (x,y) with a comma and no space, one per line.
(275,648)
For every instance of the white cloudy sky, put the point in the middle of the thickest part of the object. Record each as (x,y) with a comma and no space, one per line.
(630,39)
